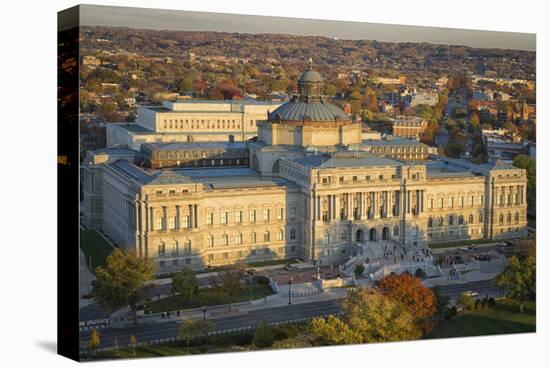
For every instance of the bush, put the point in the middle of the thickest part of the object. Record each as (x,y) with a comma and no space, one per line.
(492,302)
(466,302)
(263,338)
(359,269)
(451,312)
(477,304)
(485,303)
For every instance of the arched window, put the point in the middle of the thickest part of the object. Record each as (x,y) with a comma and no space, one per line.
(460,219)
(280,235)
(210,241)
(430,222)
(266,236)
(501,219)
(253,237)
(509,218)
(225,240)
(450,220)
(175,248)
(471,219)
(293,233)
(517,217)
(440,221)
(239,239)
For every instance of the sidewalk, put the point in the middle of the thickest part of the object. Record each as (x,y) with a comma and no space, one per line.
(86,279)
(222,311)
(472,276)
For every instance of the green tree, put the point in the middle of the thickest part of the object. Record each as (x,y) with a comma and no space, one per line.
(123,281)
(519,278)
(264,336)
(192,329)
(185,283)
(231,281)
(94,341)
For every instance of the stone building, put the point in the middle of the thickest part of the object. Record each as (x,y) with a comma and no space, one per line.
(191,121)
(310,190)
(408,126)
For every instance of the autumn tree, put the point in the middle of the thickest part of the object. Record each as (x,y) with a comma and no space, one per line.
(519,278)
(333,330)
(368,317)
(530,165)
(192,329)
(466,301)
(122,282)
(411,292)
(94,341)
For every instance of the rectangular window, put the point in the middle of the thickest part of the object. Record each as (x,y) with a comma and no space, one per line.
(253,252)
(240,254)
(210,241)
(171,222)
(175,262)
(266,237)
(266,215)
(293,213)
(280,214)
(280,236)
(185,223)
(161,264)
(210,257)
(239,217)
(175,248)
(252,216)
(159,223)
(187,247)
(209,219)
(223,217)
(354,178)
(187,261)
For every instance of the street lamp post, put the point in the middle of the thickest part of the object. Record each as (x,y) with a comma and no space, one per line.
(250,287)
(204,309)
(289,294)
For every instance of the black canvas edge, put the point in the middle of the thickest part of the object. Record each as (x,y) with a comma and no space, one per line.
(68,183)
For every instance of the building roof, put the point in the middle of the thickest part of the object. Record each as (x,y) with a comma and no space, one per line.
(346,159)
(390,142)
(310,76)
(296,110)
(195,145)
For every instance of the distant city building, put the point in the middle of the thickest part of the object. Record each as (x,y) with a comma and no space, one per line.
(388,81)
(423,98)
(408,126)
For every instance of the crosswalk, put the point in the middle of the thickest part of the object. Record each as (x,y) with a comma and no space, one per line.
(91,327)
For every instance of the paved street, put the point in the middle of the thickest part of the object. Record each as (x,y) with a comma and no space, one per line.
(236,319)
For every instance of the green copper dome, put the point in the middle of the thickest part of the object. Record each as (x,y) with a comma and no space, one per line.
(309,104)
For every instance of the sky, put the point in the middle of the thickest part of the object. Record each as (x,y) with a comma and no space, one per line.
(157,19)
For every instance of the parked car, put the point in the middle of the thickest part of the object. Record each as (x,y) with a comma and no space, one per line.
(471,248)
(509,243)
(471,293)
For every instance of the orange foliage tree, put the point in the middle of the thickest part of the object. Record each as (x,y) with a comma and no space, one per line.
(409,291)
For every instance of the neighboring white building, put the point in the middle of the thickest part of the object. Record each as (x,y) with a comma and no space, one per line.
(191,121)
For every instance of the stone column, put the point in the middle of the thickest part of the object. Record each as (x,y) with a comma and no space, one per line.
(191,221)
(334,206)
(196,215)
(178,217)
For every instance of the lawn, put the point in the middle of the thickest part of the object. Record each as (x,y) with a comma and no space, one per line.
(206,296)
(459,244)
(505,318)
(94,246)
(254,264)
